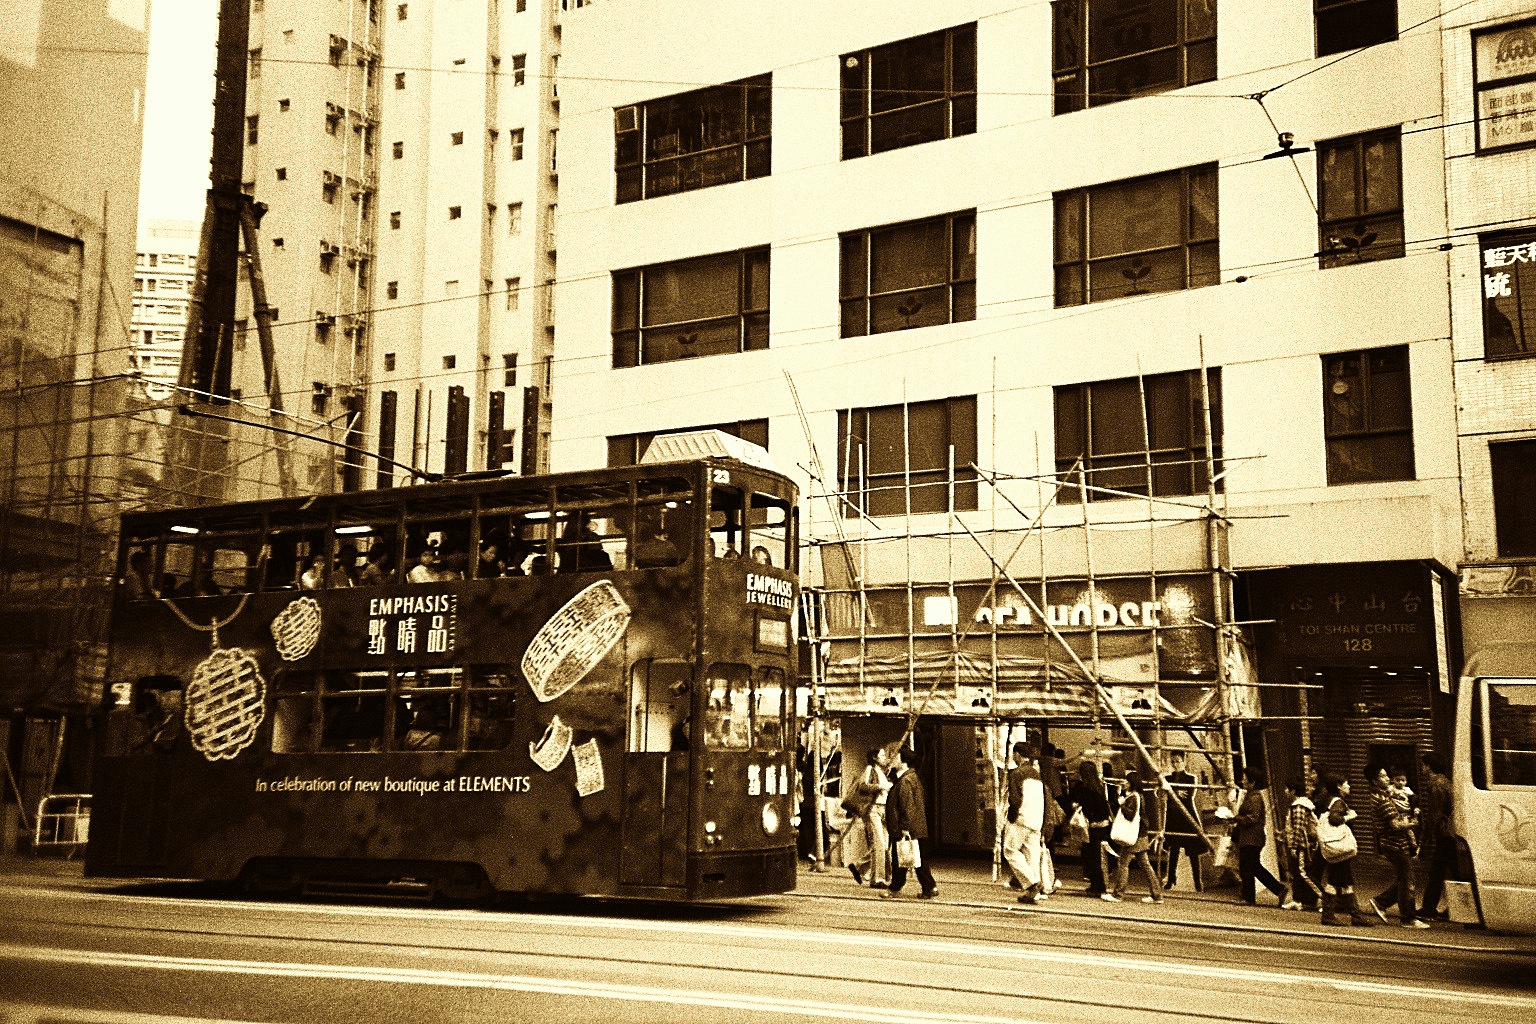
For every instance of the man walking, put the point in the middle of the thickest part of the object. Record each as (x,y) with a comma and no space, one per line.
(1394,841)
(907,817)
(1439,849)
(1026,820)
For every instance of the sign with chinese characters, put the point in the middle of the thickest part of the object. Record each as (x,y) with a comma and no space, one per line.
(413,624)
(1506,89)
(1509,294)
(1350,614)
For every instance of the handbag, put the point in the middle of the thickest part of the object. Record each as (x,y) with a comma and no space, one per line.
(1126,831)
(908,853)
(1337,842)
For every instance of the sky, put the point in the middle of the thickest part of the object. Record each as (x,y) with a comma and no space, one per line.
(178,109)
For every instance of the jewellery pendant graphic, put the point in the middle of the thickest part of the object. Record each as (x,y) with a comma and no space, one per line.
(574,640)
(589,768)
(296,629)
(225,703)
(552,746)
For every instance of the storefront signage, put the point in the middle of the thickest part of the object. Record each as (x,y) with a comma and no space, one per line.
(1506,86)
(1350,614)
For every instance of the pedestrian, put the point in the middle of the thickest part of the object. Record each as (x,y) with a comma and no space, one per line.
(1183,832)
(1250,836)
(1394,841)
(1135,811)
(1300,846)
(869,799)
(1439,847)
(1337,846)
(1026,820)
(1087,795)
(907,818)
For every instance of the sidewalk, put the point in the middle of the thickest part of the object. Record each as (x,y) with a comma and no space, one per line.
(968,882)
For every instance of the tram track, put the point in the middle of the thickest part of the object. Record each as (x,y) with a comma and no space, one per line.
(1041,972)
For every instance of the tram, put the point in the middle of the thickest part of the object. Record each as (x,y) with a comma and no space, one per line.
(578,683)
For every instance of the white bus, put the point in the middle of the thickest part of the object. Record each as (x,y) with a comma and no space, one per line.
(1493,779)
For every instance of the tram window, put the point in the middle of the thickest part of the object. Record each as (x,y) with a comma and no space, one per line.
(157,715)
(1512,732)
(727,532)
(492,710)
(377,552)
(295,712)
(138,579)
(588,542)
(728,716)
(660,703)
(353,708)
(768,710)
(427,709)
(176,567)
(229,565)
(657,545)
(769,520)
(437,552)
(292,553)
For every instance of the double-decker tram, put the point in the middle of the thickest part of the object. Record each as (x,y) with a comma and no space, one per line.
(578,683)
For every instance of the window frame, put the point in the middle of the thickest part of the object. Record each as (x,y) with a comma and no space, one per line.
(1514,536)
(1148,460)
(857,257)
(858,117)
(1511,253)
(1372,412)
(1332,248)
(1386,30)
(636,162)
(1074,270)
(1073,67)
(1514,80)
(629,329)
(862,488)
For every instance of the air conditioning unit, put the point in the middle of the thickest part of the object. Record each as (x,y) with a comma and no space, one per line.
(330,177)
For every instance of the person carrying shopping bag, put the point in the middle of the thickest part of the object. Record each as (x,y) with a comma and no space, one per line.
(1130,834)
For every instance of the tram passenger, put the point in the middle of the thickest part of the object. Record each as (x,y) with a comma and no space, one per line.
(761,555)
(376,570)
(491,563)
(432,567)
(313,576)
(655,551)
(137,580)
(345,572)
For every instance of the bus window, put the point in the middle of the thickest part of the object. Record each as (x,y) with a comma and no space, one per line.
(491,709)
(660,704)
(727,721)
(768,710)
(295,712)
(353,708)
(770,538)
(726,530)
(426,709)
(1511,732)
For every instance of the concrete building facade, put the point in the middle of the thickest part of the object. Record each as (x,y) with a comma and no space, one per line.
(1045,246)
(164,269)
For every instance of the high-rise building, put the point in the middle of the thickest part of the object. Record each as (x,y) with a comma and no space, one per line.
(163,271)
(1109,341)
(405,155)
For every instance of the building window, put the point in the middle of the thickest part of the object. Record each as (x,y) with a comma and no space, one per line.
(398,150)
(1135,434)
(1514,497)
(882,450)
(282,174)
(509,368)
(514,286)
(449,362)
(394,219)
(1360,199)
(1504,68)
(707,306)
(251,124)
(399,79)
(400,11)
(1351,24)
(1368,416)
(515,136)
(693,140)
(1152,234)
(1104,51)
(255,63)
(392,289)
(457,138)
(319,398)
(628,449)
(519,69)
(389,362)
(515,218)
(455,212)
(916,274)
(912,91)
(1509,294)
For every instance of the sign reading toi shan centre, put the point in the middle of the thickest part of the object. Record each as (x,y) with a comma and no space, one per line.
(1351,614)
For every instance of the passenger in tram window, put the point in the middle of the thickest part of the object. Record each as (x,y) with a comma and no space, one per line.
(655,551)
(376,571)
(313,577)
(539,566)
(345,572)
(680,733)
(761,556)
(432,567)
(491,563)
(137,579)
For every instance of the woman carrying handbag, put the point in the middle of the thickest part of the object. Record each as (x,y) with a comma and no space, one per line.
(1129,833)
(869,799)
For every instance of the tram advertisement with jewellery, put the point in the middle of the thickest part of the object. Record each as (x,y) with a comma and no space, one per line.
(577,683)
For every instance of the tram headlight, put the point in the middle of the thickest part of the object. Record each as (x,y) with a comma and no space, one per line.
(770,819)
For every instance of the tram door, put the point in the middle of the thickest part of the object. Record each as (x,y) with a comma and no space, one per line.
(655,829)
